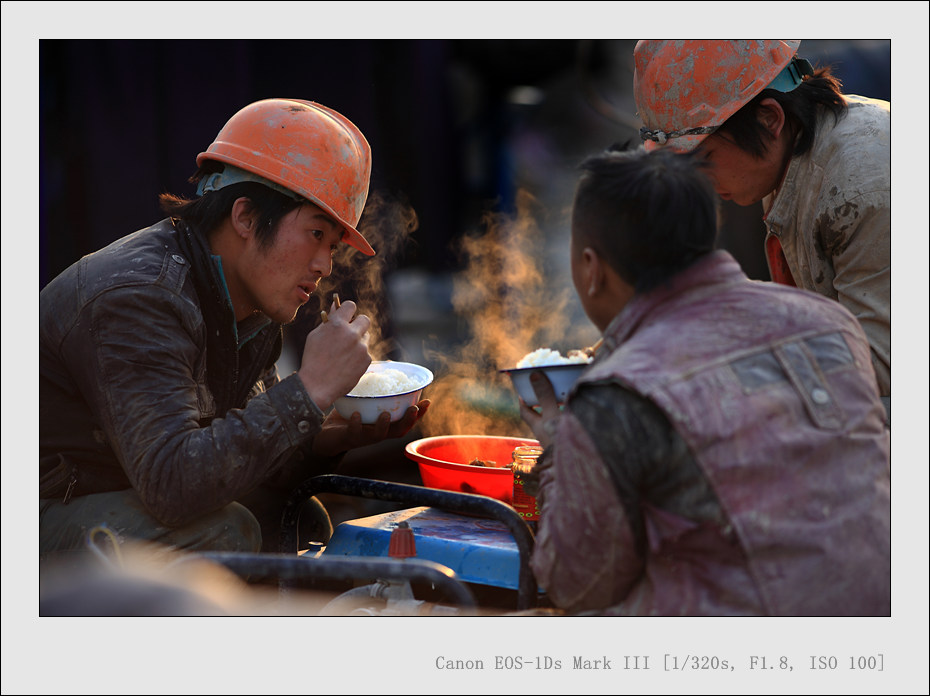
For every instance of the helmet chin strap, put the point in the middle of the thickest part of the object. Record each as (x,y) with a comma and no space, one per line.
(234,175)
(661,137)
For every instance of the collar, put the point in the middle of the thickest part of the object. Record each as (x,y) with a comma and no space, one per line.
(248,328)
(713,269)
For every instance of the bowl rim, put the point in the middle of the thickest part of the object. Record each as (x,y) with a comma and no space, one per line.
(559,366)
(410,447)
(429,375)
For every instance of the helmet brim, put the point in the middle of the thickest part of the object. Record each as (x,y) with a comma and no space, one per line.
(355,239)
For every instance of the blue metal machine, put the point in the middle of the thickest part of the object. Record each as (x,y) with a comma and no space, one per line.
(482,542)
(477,550)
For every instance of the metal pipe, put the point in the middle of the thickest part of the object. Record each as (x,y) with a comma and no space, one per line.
(261,566)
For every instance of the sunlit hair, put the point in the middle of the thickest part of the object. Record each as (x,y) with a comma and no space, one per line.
(648,215)
(802,109)
(206,213)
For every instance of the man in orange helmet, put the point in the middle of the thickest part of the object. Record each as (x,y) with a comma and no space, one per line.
(777,131)
(162,415)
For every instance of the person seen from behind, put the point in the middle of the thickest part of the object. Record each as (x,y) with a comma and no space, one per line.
(725,453)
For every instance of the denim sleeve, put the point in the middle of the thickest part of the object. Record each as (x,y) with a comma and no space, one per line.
(614,456)
(647,459)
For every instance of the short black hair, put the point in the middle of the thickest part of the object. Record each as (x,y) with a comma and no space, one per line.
(802,108)
(649,215)
(204,214)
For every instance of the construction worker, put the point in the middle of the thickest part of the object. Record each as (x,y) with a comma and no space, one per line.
(777,131)
(162,415)
(726,452)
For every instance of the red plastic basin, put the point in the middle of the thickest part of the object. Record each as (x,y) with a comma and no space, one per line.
(443,462)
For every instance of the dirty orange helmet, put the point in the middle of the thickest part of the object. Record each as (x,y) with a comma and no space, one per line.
(302,149)
(686,89)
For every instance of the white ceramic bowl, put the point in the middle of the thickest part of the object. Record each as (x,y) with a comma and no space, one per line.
(563,378)
(370,407)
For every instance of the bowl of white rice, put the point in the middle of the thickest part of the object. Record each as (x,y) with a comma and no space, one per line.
(562,370)
(387,386)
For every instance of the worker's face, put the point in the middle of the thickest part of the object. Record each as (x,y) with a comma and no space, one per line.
(737,175)
(279,279)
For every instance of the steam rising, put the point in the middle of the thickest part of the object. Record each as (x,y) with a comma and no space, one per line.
(506,298)
(387,224)
(512,305)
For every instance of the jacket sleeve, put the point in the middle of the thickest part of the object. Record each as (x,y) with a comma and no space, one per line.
(614,455)
(139,361)
(586,555)
(857,236)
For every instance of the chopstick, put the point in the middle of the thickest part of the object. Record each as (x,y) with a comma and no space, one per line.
(591,350)
(336,302)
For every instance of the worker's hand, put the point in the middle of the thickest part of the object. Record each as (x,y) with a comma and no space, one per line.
(335,355)
(339,435)
(544,420)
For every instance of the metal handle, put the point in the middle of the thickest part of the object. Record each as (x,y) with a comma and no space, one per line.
(258,566)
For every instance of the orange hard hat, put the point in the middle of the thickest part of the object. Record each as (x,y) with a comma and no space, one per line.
(301,148)
(686,89)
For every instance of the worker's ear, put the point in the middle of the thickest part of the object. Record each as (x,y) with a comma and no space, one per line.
(592,268)
(772,116)
(244,217)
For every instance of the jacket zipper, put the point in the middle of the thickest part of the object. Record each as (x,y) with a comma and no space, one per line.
(71,484)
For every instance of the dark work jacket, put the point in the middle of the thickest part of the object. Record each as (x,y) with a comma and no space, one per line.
(145,382)
(772,389)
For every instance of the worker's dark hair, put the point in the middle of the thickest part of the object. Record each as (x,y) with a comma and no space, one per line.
(648,215)
(204,214)
(802,108)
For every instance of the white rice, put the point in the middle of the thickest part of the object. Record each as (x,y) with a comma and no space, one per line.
(384,383)
(546,356)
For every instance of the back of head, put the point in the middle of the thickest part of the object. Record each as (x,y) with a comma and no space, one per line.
(649,215)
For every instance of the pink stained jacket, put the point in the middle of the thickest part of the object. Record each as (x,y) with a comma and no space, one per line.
(773,390)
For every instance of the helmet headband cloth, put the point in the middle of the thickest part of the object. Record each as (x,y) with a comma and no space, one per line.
(234,175)
(792,75)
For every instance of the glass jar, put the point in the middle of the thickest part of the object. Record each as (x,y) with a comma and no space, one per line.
(522,463)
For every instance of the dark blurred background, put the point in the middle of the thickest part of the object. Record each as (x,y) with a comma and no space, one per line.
(457,128)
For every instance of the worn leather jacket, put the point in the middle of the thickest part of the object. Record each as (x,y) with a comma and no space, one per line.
(768,491)
(146,381)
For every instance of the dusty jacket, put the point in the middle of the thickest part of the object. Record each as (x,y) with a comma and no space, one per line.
(772,391)
(130,395)
(832,218)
